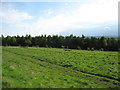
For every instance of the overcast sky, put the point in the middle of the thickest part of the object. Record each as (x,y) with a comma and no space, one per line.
(88,17)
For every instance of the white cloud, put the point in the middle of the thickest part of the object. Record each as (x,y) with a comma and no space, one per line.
(66,4)
(14,20)
(107,27)
(86,16)
(50,11)
(98,12)
(11,15)
(49,26)
(1,14)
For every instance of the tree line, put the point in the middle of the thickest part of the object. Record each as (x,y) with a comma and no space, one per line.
(70,42)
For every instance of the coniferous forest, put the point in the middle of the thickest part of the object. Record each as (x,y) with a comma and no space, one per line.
(58,41)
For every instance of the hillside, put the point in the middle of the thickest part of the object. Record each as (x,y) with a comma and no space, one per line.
(59,68)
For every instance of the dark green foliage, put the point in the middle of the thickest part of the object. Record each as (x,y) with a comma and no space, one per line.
(28,42)
(70,42)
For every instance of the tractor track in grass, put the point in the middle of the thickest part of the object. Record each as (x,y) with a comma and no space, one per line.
(73,70)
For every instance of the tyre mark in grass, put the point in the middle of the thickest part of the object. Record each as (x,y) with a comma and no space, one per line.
(69,69)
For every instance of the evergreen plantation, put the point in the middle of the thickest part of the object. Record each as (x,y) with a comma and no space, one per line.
(70,42)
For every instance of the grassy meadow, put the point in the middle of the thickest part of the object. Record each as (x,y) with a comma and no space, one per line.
(31,67)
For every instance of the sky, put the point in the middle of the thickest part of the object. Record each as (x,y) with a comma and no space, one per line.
(88,17)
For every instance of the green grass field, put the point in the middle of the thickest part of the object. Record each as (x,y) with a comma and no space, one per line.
(58,68)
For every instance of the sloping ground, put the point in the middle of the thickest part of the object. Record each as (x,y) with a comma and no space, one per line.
(95,62)
(20,70)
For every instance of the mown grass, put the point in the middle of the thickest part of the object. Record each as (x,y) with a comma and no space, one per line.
(45,68)
(97,62)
